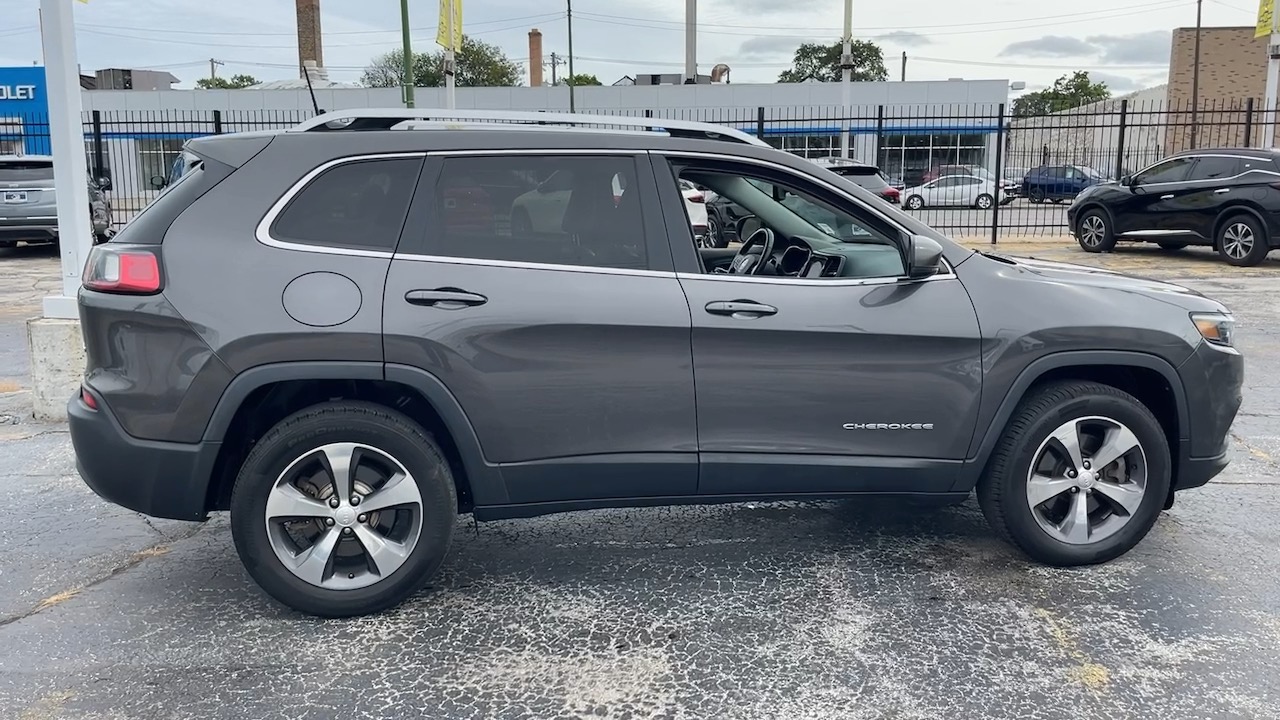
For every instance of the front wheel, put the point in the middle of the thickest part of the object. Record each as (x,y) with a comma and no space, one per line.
(343,509)
(1095,233)
(984,202)
(1241,241)
(1080,475)
(915,202)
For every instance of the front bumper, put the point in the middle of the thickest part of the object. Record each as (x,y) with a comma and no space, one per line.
(160,479)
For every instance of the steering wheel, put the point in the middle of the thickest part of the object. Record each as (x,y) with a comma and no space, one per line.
(748,263)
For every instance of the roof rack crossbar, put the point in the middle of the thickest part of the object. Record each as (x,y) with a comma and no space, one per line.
(682,127)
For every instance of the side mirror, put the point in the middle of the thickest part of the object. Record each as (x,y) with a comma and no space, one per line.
(104,183)
(158,181)
(924,257)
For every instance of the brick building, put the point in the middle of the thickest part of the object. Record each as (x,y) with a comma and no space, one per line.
(1233,69)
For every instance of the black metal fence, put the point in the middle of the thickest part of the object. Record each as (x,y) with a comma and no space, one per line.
(913,145)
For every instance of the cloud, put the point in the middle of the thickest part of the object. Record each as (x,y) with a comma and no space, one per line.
(1050,46)
(905,37)
(1136,49)
(1117,84)
(767,47)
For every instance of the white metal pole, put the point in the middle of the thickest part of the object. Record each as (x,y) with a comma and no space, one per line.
(846,77)
(450,64)
(1273,84)
(691,41)
(66,137)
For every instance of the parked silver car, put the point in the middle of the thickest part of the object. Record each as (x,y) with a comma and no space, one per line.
(29,208)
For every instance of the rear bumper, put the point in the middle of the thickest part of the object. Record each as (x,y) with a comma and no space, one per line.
(160,479)
(28,229)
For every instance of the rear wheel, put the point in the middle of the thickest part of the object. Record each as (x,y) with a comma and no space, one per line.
(1094,233)
(1080,475)
(343,509)
(1241,241)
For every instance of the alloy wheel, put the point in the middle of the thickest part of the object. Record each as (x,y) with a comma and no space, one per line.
(1237,241)
(1088,479)
(1092,231)
(344,516)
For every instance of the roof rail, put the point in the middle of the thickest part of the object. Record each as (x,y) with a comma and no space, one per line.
(386,118)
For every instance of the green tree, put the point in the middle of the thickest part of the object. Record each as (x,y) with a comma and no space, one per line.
(821,63)
(235,82)
(479,64)
(1068,91)
(579,80)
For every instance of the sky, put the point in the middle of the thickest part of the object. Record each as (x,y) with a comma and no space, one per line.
(1122,42)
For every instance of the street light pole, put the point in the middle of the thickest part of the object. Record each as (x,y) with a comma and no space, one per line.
(66,138)
(406,86)
(846,77)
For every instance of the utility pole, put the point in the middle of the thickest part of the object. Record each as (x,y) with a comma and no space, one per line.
(691,41)
(213,67)
(556,61)
(569,16)
(1195,81)
(1273,83)
(904,66)
(406,85)
(846,73)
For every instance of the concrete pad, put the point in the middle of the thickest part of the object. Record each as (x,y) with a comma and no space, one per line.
(57,365)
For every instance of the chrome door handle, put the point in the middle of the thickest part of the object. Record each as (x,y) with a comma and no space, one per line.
(1220,191)
(1167,197)
(741,309)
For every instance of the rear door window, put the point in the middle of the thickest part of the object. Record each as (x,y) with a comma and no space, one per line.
(1213,167)
(358,205)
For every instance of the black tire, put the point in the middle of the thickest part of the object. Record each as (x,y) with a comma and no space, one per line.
(1002,492)
(1036,195)
(1233,250)
(915,202)
(1094,232)
(984,202)
(370,424)
(1171,245)
(715,232)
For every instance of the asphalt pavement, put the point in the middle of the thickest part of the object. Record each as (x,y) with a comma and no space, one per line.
(852,609)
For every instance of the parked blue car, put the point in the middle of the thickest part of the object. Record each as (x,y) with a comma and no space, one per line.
(1059,182)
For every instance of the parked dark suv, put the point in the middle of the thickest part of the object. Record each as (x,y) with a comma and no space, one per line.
(1228,199)
(337,333)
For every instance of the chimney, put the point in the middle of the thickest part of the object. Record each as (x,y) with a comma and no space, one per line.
(310,48)
(535,58)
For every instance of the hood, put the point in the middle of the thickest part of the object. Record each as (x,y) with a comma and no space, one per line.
(1068,273)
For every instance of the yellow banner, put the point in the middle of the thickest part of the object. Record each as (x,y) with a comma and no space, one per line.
(1266,8)
(442,34)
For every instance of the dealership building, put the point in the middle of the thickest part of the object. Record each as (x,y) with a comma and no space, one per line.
(904,127)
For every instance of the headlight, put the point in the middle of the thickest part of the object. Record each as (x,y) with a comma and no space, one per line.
(1215,328)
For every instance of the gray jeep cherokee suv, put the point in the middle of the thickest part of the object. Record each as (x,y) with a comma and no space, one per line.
(337,333)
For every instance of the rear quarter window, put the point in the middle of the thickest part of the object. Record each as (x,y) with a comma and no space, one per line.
(359,204)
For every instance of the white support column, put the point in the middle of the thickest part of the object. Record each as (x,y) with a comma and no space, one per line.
(846,77)
(66,136)
(1269,111)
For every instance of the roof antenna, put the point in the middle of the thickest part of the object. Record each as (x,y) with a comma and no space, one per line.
(306,73)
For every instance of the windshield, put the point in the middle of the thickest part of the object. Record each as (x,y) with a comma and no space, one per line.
(25,170)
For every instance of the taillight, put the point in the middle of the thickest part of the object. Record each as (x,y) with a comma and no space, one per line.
(125,270)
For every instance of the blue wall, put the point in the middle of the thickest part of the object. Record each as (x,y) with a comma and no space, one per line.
(24,102)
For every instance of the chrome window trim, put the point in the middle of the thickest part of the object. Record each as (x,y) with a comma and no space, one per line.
(263,231)
(554,267)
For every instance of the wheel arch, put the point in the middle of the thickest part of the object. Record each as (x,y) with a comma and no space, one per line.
(1149,378)
(260,397)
